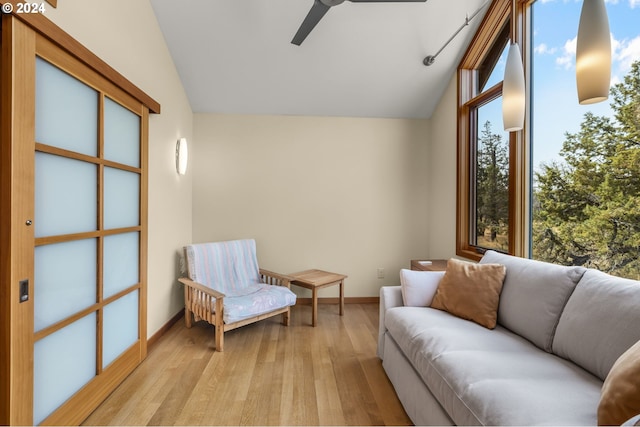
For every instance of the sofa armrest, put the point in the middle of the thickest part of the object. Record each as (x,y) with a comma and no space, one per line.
(390,296)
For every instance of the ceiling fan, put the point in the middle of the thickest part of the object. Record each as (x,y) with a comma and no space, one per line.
(318,10)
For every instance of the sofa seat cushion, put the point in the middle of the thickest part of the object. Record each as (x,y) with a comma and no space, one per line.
(266,299)
(492,377)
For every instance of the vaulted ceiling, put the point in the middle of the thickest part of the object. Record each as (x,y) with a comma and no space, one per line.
(361,60)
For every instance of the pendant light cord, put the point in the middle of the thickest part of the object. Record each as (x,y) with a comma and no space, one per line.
(513,22)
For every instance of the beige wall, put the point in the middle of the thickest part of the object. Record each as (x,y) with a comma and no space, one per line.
(343,194)
(442,176)
(125,34)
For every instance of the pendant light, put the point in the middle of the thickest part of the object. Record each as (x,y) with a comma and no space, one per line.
(513,87)
(593,53)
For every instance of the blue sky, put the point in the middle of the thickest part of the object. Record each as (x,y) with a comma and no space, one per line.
(555,100)
(556,109)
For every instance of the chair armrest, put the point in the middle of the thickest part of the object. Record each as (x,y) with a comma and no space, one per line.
(277,279)
(205,304)
(390,296)
(207,290)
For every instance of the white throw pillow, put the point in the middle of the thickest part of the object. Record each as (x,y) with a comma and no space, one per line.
(419,287)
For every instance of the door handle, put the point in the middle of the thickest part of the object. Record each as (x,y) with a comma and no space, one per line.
(24,290)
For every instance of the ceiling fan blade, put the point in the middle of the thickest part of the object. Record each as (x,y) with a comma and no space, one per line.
(313,17)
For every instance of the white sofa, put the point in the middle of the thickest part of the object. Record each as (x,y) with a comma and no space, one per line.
(560,330)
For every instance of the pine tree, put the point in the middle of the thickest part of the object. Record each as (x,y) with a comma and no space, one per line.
(492,183)
(587,209)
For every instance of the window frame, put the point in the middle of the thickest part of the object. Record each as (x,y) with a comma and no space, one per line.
(469,97)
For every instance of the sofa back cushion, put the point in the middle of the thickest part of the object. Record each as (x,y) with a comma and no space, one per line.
(533,296)
(600,322)
(229,267)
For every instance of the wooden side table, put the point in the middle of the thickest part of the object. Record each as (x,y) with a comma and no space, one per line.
(429,265)
(317,279)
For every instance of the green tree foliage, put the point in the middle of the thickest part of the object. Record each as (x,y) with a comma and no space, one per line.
(492,187)
(587,208)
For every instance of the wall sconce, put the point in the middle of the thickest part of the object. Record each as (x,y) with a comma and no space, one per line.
(182,156)
(513,86)
(593,53)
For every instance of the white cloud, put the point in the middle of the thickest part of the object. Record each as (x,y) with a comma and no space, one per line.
(623,53)
(542,49)
(614,80)
(626,52)
(634,3)
(615,47)
(567,58)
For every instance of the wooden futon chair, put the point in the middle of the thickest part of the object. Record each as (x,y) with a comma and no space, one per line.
(227,289)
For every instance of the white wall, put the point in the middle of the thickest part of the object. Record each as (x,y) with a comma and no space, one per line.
(343,194)
(442,176)
(125,34)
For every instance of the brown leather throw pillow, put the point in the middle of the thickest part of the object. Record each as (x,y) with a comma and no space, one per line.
(471,291)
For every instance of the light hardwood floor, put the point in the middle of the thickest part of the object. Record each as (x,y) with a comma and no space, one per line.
(268,374)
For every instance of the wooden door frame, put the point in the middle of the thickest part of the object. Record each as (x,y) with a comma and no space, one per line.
(17,140)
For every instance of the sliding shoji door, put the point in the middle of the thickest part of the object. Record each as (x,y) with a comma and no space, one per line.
(80,208)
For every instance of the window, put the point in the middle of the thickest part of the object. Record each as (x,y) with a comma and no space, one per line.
(586,159)
(489,184)
(487,155)
(574,171)
(489,228)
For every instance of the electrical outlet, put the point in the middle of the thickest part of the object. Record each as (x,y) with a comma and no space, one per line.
(381,273)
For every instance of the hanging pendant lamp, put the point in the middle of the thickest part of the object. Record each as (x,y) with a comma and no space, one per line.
(593,53)
(513,86)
